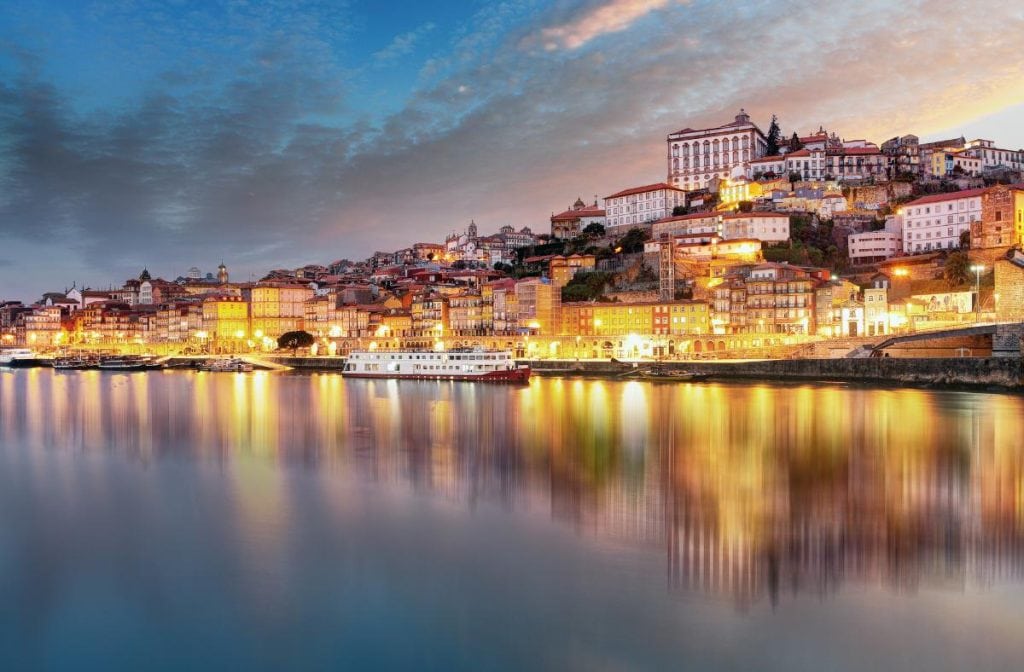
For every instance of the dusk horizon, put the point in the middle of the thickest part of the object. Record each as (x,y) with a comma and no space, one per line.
(280,134)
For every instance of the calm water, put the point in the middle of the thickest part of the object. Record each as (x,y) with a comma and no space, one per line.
(264,521)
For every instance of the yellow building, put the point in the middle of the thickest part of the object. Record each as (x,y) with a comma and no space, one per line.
(732,192)
(278,308)
(661,318)
(225,317)
(540,306)
(563,269)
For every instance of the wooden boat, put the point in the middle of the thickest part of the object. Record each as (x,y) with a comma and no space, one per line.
(128,363)
(74,363)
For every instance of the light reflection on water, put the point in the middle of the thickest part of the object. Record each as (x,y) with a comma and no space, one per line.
(284,519)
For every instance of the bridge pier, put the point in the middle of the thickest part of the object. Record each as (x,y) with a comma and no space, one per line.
(1008,340)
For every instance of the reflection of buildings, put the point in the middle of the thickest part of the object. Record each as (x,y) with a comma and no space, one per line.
(752,492)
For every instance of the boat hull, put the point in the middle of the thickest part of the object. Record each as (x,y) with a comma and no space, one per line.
(521,375)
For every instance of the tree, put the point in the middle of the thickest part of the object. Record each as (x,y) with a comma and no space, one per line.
(957,270)
(746,206)
(632,242)
(965,240)
(594,229)
(295,340)
(773,138)
(795,177)
(794,143)
(680,210)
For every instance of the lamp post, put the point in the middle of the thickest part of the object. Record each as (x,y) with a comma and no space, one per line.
(977,268)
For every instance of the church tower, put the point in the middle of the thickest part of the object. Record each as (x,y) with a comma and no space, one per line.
(222,274)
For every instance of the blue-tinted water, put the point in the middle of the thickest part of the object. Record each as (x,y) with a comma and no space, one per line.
(258,521)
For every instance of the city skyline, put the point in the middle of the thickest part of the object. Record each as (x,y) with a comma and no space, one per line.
(293,133)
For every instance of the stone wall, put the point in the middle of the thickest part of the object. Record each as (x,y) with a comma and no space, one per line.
(979,372)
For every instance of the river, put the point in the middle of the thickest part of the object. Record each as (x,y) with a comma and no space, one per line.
(174,520)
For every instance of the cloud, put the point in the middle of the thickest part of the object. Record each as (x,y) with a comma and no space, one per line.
(260,160)
(403,44)
(612,17)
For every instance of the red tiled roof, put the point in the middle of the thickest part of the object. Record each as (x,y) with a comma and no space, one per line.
(640,190)
(742,215)
(692,215)
(948,196)
(588,211)
(766,159)
(855,151)
(799,152)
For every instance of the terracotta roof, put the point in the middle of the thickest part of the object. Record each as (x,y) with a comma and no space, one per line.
(588,211)
(744,215)
(766,159)
(692,215)
(948,196)
(799,152)
(639,190)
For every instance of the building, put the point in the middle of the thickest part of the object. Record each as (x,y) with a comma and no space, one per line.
(698,156)
(706,223)
(993,157)
(225,317)
(1002,218)
(904,155)
(572,222)
(563,269)
(856,163)
(540,306)
(938,221)
(769,227)
(640,205)
(768,298)
(277,308)
(872,246)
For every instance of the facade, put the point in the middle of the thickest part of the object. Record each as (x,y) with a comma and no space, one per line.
(277,308)
(539,304)
(615,320)
(225,317)
(770,227)
(640,205)
(872,246)
(768,298)
(563,269)
(1002,218)
(570,223)
(856,164)
(937,222)
(698,156)
(993,157)
(904,154)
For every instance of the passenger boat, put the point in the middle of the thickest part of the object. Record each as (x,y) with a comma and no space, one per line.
(18,357)
(482,365)
(128,363)
(231,364)
(74,363)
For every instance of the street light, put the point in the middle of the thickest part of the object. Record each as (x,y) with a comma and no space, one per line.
(977,268)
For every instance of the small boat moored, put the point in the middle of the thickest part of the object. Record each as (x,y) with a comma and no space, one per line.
(75,363)
(19,358)
(232,364)
(129,363)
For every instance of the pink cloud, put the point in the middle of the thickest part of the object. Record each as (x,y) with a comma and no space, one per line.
(615,16)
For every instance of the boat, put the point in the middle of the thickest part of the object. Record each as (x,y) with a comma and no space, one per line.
(128,363)
(74,363)
(661,373)
(19,358)
(497,366)
(233,364)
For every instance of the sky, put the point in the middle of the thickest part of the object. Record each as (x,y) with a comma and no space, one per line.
(276,133)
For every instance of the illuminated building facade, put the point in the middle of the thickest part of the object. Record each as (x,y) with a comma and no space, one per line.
(698,156)
(936,222)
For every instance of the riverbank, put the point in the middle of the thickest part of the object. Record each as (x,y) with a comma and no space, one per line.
(1005,373)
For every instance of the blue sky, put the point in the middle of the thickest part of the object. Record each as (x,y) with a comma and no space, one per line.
(273,134)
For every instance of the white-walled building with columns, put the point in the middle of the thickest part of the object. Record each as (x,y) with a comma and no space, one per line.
(696,156)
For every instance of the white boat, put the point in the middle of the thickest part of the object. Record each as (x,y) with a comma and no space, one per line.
(482,365)
(11,356)
(230,364)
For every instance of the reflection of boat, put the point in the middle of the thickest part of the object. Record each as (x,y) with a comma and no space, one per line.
(128,363)
(74,363)
(230,364)
(481,365)
(17,356)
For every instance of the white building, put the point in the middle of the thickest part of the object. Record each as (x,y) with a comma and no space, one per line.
(697,156)
(872,246)
(640,205)
(770,227)
(706,223)
(936,222)
(994,157)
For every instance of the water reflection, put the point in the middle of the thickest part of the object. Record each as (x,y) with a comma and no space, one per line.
(751,492)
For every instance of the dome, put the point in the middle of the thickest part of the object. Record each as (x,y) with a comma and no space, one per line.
(145,275)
